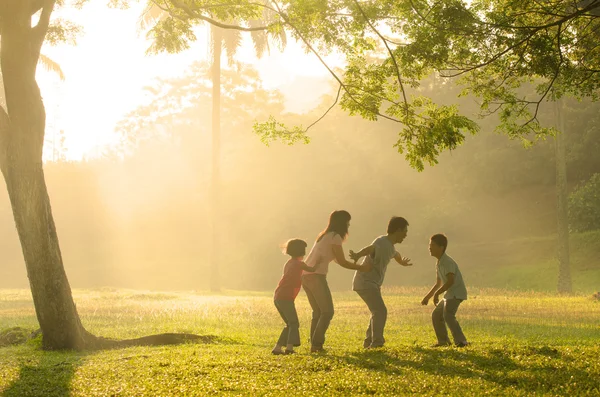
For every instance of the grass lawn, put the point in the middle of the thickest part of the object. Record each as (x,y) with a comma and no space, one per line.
(522,344)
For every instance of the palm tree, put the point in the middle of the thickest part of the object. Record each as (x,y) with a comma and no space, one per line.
(51,66)
(217,39)
(230,39)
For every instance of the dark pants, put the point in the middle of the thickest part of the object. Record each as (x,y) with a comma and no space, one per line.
(291,333)
(374,301)
(445,314)
(321,302)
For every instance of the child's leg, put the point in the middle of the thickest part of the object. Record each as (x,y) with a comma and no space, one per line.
(450,309)
(288,310)
(439,326)
(283,337)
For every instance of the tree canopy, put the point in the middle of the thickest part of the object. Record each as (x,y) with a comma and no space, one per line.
(496,49)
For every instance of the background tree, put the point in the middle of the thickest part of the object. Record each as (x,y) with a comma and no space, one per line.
(230,40)
(495,49)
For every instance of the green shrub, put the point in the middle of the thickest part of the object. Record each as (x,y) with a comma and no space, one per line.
(584,206)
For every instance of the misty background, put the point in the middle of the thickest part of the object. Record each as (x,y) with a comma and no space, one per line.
(138,215)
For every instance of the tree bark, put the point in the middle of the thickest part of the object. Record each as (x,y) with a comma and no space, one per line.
(564,266)
(21,144)
(217,38)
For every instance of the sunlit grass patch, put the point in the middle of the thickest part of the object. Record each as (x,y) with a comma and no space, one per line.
(9,372)
(523,344)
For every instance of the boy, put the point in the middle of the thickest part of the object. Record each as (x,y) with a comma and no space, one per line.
(450,281)
(368,284)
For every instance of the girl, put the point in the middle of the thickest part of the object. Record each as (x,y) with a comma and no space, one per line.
(328,247)
(286,293)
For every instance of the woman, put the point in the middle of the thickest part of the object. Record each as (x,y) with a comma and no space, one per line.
(328,247)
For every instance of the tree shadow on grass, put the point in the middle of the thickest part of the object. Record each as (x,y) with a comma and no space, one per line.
(158,340)
(497,366)
(48,375)
(172,339)
(538,331)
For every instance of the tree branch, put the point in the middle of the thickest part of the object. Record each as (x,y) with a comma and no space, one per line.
(373,94)
(595,4)
(493,58)
(192,14)
(325,114)
(394,42)
(550,84)
(333,74)
(36,5)
(584,35)
(397,69)
(195,15)
(563,18)
(590,74)
(39,31)
(424,17)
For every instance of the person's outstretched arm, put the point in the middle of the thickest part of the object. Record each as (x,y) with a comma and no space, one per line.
(340,258)
(368,250)
(431,292)
(404,261)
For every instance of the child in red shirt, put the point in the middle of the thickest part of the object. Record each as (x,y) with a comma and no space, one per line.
(285,294)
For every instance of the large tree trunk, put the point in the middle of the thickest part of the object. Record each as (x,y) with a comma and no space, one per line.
(564,266)
(217,38)
(22,137)
(22,127)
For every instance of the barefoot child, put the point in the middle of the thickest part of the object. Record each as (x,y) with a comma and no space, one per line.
(286,293)
(450,281)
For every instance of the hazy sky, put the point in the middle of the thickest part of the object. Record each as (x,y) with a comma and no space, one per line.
(107,70)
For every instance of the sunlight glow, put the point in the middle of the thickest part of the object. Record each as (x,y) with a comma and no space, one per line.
(106,71)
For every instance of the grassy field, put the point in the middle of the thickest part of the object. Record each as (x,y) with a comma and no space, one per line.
(522,344)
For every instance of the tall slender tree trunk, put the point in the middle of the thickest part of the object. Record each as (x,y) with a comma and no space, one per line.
(564,266)
(22,128)
(215,258)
